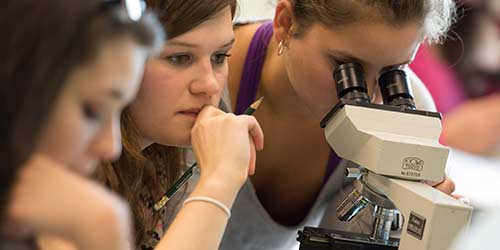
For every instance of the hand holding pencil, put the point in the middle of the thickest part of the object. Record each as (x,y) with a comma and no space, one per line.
(225,146)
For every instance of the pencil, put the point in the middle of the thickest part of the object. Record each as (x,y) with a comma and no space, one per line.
(189,172)
(254,106)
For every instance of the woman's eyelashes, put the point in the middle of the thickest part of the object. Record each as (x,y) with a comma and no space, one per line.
(336,62)
(186,59)
(179,59)
(220,58)
(91,112)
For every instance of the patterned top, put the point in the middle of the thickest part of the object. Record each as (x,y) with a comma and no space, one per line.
(155,229)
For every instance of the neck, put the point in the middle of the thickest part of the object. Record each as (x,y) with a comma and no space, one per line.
(144,143)
(280,96)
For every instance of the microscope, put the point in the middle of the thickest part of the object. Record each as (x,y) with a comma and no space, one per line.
(396,148)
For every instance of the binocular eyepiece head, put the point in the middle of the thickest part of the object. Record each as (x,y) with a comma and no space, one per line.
(350,82)
(351,85)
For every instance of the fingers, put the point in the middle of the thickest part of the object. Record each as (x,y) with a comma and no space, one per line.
(447,186)
(253,156)
(250,122)
(209,111)
(234,126)
(254,130)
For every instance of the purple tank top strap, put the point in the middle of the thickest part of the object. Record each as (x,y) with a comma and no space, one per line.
(250,79)
(252,68)
(333,162)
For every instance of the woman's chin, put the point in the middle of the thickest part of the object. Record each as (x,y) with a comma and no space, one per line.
(178,141)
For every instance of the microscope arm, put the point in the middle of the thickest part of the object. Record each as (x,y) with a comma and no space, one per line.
(432,219)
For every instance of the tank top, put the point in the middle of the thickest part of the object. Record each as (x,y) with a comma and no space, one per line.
(250,79)
(250,226)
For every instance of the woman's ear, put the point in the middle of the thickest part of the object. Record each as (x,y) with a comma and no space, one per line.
(283,21)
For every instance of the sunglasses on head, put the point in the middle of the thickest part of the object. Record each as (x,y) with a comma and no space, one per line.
(134,8)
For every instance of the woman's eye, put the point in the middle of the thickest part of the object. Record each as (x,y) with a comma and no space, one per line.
(179,60)
(91,113)
(337,62)
(220,58)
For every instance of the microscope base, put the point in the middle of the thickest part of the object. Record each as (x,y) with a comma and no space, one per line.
(324,239)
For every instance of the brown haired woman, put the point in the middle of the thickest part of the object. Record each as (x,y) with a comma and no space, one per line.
(67,70)
(290,61)
(174,109)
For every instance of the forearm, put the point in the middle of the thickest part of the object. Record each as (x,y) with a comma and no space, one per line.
(110,228)
(104,226)
(200,225)
(46,242)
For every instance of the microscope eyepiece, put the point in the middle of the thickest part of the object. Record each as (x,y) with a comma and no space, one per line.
(350,82)
(395,89)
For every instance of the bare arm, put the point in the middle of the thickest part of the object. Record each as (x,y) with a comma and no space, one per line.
(199,225)
(224,147)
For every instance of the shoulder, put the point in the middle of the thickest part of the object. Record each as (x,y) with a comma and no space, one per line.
(243,36)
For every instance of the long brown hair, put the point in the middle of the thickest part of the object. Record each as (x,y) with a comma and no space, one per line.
(156,167)
(38,55)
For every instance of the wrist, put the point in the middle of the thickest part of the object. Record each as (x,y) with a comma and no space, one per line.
(227,174)
(217,189)
(211,201)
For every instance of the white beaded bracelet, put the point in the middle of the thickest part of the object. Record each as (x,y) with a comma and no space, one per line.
(211,201)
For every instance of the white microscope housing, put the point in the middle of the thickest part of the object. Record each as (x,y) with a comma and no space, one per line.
(399,150)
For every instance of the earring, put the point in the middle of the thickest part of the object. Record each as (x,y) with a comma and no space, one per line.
(281,48)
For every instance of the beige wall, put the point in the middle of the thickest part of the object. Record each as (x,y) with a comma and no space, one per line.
(252,10)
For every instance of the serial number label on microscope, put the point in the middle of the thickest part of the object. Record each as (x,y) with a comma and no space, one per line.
(408,173)
(416,225)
